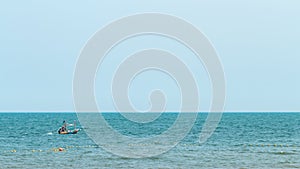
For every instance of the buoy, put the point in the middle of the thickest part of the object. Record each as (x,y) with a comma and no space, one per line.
(60,149)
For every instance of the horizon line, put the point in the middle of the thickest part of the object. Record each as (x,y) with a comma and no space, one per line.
(150,112)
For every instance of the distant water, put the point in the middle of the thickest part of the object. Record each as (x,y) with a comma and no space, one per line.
(242,140)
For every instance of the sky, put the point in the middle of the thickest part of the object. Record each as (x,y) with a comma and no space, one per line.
(257,43)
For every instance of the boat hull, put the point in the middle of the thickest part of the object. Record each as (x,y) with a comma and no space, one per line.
(70,132)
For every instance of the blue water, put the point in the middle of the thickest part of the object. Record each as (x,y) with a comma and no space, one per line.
(242,140)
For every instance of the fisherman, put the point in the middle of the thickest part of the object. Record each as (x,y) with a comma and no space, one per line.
(63,128)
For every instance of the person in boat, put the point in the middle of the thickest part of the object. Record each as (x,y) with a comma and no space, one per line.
(63,128)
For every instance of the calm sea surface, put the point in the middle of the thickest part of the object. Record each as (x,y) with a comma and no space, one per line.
(242,140)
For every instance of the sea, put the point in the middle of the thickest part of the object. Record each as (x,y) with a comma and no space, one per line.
(241,140)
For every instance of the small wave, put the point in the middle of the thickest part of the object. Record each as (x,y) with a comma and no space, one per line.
(283,153)
(50,133)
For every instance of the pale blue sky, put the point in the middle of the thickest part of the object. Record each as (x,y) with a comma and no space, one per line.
(257,42)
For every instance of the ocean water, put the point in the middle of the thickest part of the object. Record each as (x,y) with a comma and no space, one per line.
(241,140)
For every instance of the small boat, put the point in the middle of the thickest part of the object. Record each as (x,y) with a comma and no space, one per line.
(64,130)
(69,131)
